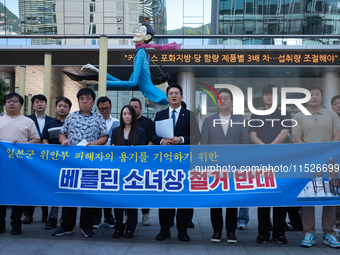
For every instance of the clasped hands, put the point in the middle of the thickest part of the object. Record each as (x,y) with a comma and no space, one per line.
(172,141)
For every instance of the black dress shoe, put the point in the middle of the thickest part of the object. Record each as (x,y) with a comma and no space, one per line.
(118,233)
(163,235)
(128,233)
(76,77)
(44,219)
(191,224)
(27,220)
(183,236)
(16,231)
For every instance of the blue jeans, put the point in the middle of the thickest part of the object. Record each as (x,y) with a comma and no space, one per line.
(243,216)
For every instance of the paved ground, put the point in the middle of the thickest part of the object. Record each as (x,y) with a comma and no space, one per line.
(36,240)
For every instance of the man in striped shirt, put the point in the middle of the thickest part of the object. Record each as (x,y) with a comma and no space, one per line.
(50,135)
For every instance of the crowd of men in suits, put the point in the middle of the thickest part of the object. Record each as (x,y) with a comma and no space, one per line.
(39,127)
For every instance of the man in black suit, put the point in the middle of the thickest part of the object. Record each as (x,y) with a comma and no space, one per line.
(219,129)
(186,131)
(39,117)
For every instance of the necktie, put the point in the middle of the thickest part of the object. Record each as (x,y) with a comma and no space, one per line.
(173,117)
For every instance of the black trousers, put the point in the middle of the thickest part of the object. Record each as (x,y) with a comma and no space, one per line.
(279,221)
(107,213)
(144,211)
(29,210)
(167,216)
(216,218)
(294,216)
(131,221)
(16,215)
(69,216)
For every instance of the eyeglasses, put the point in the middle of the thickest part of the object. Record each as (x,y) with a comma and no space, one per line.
(104,109)
(8,101)
(140,29)
(173,93)
(225,98)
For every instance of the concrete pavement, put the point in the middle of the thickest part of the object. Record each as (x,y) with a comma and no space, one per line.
(36,240)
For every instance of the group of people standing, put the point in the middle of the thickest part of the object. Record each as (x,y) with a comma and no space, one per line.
(133,129)
(322,125)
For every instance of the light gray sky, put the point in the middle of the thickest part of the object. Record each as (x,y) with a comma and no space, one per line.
(193,13)
(12,5)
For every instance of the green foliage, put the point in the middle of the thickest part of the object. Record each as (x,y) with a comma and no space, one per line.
(8,20)
(201,30)
(4,89)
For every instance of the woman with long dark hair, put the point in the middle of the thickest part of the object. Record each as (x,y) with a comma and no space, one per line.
(127,134)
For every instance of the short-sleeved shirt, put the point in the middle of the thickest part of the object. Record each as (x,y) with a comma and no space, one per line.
(18,128)
(52,130)
(270,129)
(317,127)
(78,127)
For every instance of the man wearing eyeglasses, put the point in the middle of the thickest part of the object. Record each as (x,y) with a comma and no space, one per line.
(104,107)
(16,128)
(186,131)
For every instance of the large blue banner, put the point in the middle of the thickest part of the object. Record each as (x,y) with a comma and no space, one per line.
(169,176)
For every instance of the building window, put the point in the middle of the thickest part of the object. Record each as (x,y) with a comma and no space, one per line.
(92,7)
(91,18)
(94,28)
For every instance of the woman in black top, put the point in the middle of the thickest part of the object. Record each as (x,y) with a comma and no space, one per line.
(127,134)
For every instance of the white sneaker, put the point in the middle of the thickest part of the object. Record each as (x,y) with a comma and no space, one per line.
(308,240)
(242,226)
(146,220)
(331,241)
(97,223)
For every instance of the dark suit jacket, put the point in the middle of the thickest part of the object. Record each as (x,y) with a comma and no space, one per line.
(34,118)
(186,126)
(236,134)
(141,135)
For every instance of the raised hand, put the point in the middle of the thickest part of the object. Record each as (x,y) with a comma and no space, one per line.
(91,67)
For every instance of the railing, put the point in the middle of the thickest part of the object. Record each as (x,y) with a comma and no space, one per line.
(249,39)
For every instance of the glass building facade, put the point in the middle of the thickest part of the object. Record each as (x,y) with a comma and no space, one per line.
(175,17)
(38,17)
(204,25)
(279,17)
